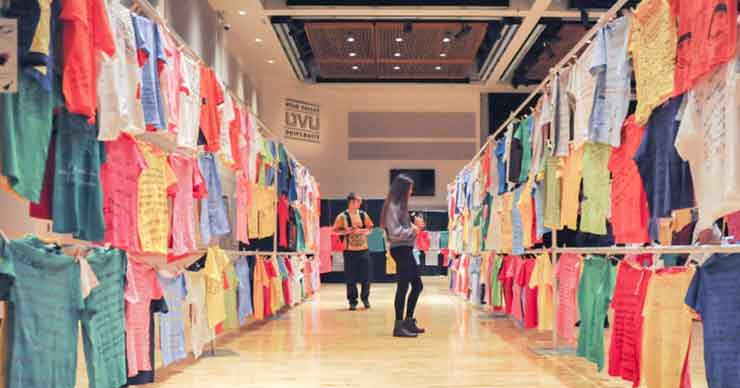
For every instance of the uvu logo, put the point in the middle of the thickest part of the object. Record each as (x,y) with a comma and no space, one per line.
(302,120)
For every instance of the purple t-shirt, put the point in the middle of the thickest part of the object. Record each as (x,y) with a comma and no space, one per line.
(214,220)
(172,324)
(149,42)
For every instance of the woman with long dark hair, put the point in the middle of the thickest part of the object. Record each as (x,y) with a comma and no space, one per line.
(401,233)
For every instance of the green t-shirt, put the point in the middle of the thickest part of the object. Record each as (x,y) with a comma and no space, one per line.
(524,134)
(104,334)
(231,321)
(596,188)
(594,295)
(78,195)
(497,289)
(45,307)
(552,193)
(300,238)
(376,241)
(24,135)
(444,240)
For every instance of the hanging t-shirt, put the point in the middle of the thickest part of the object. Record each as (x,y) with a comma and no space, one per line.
(216,262)
(104,333)
(152,58)
(653,50)
(539,210)
(501,165)
(43,288)
(524,204)
(561,113)
(231,321)
(596,188)
(497,286)
(626,341)
(214,220)
(594,295)
(87,35)
(190,104)
(581,88)
(171,82)
(142,289)
(190,186)
(667,178)
(567,271)
(155,183)
(210,114)
(172,324)
(517,273)
(241,266)
(629,208)
(228,115)
(666,328)
(709,140)
(283,212)
(516,153)
(570,201)
(507,228)
(506,276)
(525,140)
(707,38)
(542,281)
(714,293)
(120,177)
(529,296)
(78,195)
(553,171)
(611,66)
(119,106)
(200,332)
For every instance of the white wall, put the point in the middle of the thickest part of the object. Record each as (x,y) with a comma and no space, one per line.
(329,160)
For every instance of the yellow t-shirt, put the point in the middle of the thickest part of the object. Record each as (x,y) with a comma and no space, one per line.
(231,320)
(216,262)
(507,236)
(525,209)
(154,183)
(542,278)
(666,328)
(262,216)
(653,47)
(40,42)
(571,188)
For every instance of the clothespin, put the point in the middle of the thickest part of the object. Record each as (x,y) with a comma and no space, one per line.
(4,236)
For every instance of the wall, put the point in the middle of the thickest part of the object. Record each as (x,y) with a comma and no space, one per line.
(329,160)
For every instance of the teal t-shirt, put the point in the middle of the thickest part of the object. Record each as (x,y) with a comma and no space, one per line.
(78,195)
(444,240)
(594,295)
(376,241)
(44,310)
(104,333)
(300,238)
(525,137)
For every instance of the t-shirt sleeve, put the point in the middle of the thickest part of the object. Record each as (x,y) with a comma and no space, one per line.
(142,46)
(200,189)
(686,139)
(103,33)
(170,179)
(694,296)
(161,54)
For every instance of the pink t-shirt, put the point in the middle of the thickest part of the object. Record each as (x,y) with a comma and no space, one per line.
(142,287)
(733,226)
(190,186)
(244,202)
(518,270)
(568,271)
(120,178)
(325,250)
(172,82)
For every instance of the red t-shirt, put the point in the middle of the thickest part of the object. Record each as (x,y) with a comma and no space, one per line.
(707,38)
(42,209)
(626,341)
(487,166)
(506,276)
(210,117)
(530,297)
(630,215)
(422,241)
(283,215)
(86,35)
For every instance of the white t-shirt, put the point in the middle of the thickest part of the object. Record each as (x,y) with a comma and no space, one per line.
(581,88)
(227,116)
(119,79)
(200,333)
(190,104)
(709,140)
(561,113)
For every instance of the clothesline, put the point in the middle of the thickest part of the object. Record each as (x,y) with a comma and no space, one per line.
(674,249)
(266,253)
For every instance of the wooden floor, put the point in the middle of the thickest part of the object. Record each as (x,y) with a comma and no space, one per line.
(321,344)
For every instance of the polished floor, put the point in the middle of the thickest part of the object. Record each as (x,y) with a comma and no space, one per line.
(321,344)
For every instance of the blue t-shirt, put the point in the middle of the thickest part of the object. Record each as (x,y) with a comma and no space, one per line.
(665,176)
(214,221)
(149,41)
(715,294)
(539,205)
(516,225)
(172,324)
(241,266)
(501,165)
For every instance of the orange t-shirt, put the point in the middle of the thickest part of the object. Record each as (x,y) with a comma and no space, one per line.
(86,32)
(210,117)
(707,38)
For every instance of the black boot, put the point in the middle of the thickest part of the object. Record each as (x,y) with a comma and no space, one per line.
(366,303)
(411,326)
(401,330)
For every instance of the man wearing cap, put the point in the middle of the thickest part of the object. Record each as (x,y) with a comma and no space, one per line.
(354,226)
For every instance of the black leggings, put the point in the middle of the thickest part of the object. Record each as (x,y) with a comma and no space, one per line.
(407,272)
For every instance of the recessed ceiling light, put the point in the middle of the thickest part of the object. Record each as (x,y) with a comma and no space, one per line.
(258,40)
(397,55)
(271,61)
(355,67)
(443,55)
(438,68)
(399,39)
(242,12)
(447,39)
(396,67)
(350,39)
(352,54)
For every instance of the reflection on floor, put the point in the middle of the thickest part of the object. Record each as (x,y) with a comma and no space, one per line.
(321,344)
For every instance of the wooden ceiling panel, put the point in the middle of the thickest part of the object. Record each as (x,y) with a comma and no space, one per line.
(329,41)
(348,71)
(423,71)
(426,41)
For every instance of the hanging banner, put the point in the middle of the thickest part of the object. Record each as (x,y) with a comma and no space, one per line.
(302,121)
(8,55)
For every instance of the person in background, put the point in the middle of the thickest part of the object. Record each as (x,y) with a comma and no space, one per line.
(354,226)
(401,234)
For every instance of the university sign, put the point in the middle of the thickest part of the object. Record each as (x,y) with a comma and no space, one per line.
(302,121)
